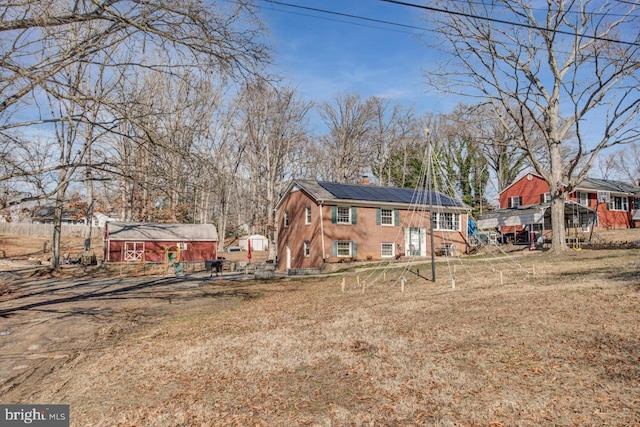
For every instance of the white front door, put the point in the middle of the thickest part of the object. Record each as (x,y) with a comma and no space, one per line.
(288,264)
(415,241)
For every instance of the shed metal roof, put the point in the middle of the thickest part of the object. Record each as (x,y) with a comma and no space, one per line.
(148,231)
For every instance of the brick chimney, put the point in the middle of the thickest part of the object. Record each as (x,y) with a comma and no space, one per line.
(364,180)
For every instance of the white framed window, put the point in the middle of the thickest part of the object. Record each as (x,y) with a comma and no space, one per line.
(343,249)
(343,215)
(447,221)
(583,199)
(619,203)
(515,201)
(386,216)
(546,198)
(307,215)
(307,248)
(286,219)
(387,250)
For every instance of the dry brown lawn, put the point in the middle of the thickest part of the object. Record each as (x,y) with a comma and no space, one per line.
(557,343)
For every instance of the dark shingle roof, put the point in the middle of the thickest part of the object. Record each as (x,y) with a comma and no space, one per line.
(333,191)
(607,185)
(47,212)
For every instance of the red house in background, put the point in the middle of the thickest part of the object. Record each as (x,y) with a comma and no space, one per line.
(616,203)
(150,242)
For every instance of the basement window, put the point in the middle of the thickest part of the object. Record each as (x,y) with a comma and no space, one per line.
(386,250)
(343,249)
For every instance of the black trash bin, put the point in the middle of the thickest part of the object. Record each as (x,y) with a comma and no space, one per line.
(213,265)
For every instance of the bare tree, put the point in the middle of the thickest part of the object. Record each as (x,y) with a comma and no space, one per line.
(165,36)
(46,40)
(608,165)
(72,151)
(203,34)
(557,68)
(504,156)
(466,170)
(20,157)
(273,124)
(308,159)
(391,128)
(128,156)
(77,99)
(628,163)
(178,124)
(349,121)
(220,156)
(407,166)
(96,85)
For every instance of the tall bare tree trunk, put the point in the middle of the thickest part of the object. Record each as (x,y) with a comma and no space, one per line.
(90,197)
(58,210)
(558,238)
(89,226)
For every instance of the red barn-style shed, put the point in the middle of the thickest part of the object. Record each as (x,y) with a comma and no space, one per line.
(135,241)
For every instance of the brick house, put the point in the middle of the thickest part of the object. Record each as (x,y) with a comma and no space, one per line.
(326,222)
(607,204)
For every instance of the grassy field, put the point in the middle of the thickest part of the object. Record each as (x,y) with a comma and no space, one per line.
(529,339)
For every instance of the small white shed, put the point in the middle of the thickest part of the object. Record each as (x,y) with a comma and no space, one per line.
(258,242)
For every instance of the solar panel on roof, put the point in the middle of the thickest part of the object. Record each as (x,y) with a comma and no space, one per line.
(387,194)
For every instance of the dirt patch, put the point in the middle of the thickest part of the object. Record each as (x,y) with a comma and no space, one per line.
(555,343)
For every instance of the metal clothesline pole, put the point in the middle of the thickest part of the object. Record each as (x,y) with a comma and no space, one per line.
(433,258)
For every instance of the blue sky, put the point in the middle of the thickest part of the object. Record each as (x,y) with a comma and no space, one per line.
(324,55)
